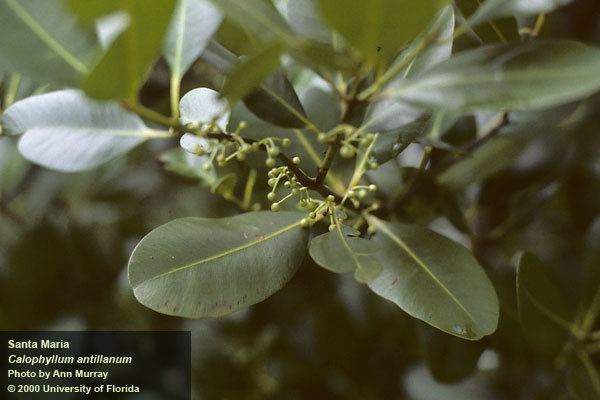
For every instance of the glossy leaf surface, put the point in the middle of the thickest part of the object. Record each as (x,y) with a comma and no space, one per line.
(195,268)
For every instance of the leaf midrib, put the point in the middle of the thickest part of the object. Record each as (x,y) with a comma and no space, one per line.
(45,37)
(441,80)
(352,253)
(224,254)
(101,131)
(555,318)
(423,266)
(179,40)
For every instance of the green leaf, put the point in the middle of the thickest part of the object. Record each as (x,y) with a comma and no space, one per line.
(541,306)
(275,100)
(506,146)
(42,40)
(193,24)
(180,162)
(259,17)
(504,8)
(225,185)
(251,72)
(503,149)
(260,24)
(441,28)
(379,29)
(343,251)
(399,118)
(218,57)
(434,279)
(303,17)
(196,267)
(390,144)
(68,132)
(12,166)
(193,144)
(123,68)
(538,74)
(204,105)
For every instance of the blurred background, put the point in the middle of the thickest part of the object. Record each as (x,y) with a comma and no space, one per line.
(65,240)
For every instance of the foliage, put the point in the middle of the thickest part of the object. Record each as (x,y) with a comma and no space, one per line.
(439,155)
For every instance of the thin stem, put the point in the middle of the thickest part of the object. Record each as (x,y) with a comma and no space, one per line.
(329,156)
(249,188)
(11,90)
(158,134)
(149,114)
(303,178)
(331,178)
(539,24)
(308,123)
(175,94)
(490,132)
(360,170)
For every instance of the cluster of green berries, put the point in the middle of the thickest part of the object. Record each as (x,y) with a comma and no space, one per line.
(282,176)
(273,151)
(352,139)
(319,210)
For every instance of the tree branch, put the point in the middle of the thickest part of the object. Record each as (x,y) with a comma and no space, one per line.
(303,178)
(329,156)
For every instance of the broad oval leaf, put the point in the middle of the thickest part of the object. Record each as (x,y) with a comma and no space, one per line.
(196,267)
(343,251)
(68,132)
(123,68)
(379,28)
(193,144)
(190,30)
(204,105)
(538,74)
(42,40)
(434,279)
(541,307)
